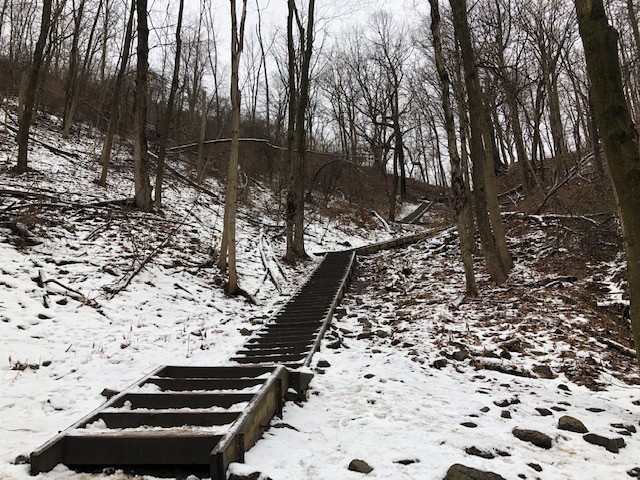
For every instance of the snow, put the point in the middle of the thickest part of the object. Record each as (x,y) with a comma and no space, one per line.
(381,400)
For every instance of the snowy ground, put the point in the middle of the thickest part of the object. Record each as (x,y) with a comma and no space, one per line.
(395,396)
(381,399)
(67,329)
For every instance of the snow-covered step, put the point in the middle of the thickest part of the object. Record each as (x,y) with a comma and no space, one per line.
(196,419)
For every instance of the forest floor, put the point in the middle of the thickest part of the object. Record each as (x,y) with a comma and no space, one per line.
(94,295)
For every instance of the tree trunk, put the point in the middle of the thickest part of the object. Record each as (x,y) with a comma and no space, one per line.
(142,196)
(114,114)
(457,180)
(481,160)
(26,116)
(72,76)
(228,250)
(202,136)
(297,141)
(166,122)
(619,137)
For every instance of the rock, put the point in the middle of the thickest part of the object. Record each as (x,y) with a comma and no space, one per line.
(634,472)
(323,364)
(558,409)
(479,453)
(485,409)
(505,354)
(460,355)
(628,428)
(340,312)
(439,363)
(544,371)
(407,461)
(46,363)
(469,424)
(460,472)
(369,375)
(505,414)
(21,460)
(595,409)
(62,301)
(571,424)
(335,345)
(44,316)
(562,386)
(539,439)
(535,466)
(245,332)
(612,444)
(545,412)
(360,466)
(506,403)
(382,333)
(364,335)
(248,476)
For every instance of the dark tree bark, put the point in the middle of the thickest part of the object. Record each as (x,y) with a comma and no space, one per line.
(619,137)
(298,102)
(142,196)
(72,75)
(457,180)
(480,152)
(166,122)
(26,114)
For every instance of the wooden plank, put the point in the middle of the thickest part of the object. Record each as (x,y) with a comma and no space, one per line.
(271,359)
(198,384)
(52,452)
(183,400)
(248,429)
(154,447)
(133,419)
(213,372)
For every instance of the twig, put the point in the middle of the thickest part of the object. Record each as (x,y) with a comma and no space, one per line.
(572,173)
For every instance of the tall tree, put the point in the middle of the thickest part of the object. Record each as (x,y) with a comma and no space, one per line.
(228,244)
(619,136)
(114,113)
(142,196)
(166,121)
(296,144)
(482,158)
(26,114)
(457,179)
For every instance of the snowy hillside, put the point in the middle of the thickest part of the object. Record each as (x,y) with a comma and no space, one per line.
(409,380)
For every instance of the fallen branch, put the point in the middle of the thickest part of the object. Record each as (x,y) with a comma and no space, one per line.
(265,262)
(618,347)
(384,223)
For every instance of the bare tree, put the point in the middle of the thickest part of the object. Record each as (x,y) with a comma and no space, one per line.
(142,196)
(457,179)
(480,150)
(26,114)
(228,244)
(296,137)
(166,122)
(114,113)
(619,137)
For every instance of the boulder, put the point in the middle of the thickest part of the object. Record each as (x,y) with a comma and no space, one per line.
(460,472)
(571,424)
(612,444)
(360,466)
(539,439)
